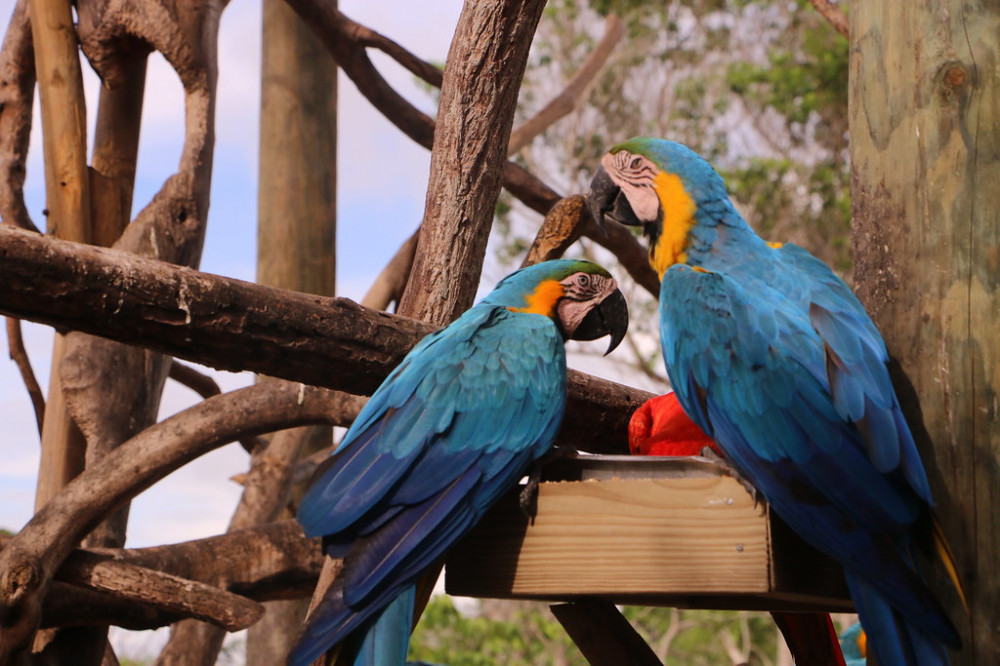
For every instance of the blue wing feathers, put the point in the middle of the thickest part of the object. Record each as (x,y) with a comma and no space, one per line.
(803,406)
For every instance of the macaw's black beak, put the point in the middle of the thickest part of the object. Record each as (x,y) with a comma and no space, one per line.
(606,200)
(609,317)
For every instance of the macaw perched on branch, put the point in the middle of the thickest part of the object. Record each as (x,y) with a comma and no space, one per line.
(773,356)
(661,428)
(450,430)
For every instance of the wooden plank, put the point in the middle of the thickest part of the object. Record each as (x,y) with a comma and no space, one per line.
(687,541)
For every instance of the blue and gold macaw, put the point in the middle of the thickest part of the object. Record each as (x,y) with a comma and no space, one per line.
(450,430)
(775,358)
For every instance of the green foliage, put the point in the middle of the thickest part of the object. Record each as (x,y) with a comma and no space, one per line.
(517,632)
(502,633)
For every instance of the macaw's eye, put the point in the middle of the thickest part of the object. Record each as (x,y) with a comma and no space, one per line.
(583,280)
(635,163)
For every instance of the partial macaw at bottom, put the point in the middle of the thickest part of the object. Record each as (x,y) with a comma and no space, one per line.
(450,430)
(661,428)
(854,642)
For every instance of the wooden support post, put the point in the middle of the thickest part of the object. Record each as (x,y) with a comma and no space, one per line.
(297,226)
(603,634)
(925,156)
(64,135)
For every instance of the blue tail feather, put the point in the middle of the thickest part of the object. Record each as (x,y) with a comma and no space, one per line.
(891,638)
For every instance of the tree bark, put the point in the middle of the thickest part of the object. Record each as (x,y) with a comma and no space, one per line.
(486,63)
(924,114)
(67,194)
(17,86)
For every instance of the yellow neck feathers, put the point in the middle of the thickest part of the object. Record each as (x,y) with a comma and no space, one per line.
(678,218)
(542,299)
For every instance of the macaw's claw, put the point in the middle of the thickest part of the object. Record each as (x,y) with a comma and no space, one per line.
(528,499)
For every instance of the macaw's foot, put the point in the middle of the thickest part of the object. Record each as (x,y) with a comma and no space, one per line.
(711,454)
(528,500)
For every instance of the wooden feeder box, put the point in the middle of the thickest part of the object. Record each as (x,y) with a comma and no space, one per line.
(651,531)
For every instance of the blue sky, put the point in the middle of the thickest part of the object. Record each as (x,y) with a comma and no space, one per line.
(198,500)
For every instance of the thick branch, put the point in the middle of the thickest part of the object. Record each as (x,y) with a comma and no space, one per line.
(235,325)
(486,63)
(264,563)
(219,322)
(160,590)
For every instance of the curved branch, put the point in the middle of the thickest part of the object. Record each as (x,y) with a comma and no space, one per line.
(19,355)
(570,96)
(420,68)
(29,562)
(161,591)
(205,387)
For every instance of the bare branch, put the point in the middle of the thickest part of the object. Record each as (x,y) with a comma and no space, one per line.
(389,285)
(570,96)
(420,68)
(834,16)
(159,590)
(486,63)
(235,325)
(19,355)
(560,229)
(206,387)
(29,562)
(264,563)
(200,383)
(211,320)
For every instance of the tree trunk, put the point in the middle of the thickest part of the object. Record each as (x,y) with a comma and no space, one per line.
(925,154)
(486,63)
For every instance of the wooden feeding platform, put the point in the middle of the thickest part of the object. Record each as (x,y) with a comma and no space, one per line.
(650,531)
